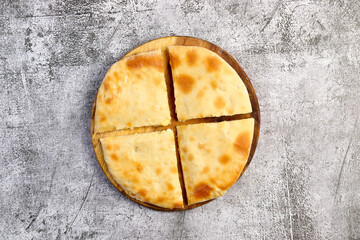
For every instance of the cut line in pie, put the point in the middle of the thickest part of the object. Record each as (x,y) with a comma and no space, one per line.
(175,123)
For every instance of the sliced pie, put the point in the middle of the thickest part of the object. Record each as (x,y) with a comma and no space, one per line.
(133,94)
(213,155)
(205,85)
(145,166)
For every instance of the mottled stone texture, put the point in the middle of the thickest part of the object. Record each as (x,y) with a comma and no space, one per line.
(303,58)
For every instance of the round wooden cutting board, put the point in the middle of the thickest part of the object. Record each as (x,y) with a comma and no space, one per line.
(163,43)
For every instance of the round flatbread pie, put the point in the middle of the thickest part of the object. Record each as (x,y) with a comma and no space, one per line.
(175,123)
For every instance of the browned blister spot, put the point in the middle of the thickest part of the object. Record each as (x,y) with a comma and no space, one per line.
(184,149)
(103,119)
(145,61)
(170,186)
(158,171)
(126,174)
(160,199)
(108,147)
(135,180)
(178,205)
(202,190)
(242,143)
(129,124)
(205,170)
(212,64)
(185,83)
(219,102)
(173,169)
(174,60)
(200,93)
(201,146)
(192,138)
(191,57)
(139,168)
(213,181)
(108,100)
(224,159)
(116,75)
(191,157)
(114,157)
(213,84)
(157,81)
(106,85)
(143,192)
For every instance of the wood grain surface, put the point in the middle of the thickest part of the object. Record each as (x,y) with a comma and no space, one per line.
(163,43)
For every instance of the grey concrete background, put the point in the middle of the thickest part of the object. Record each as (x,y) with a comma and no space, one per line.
(303,58)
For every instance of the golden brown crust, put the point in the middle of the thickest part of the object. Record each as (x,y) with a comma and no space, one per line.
(145,61)
(133,87)
(213,156)
(205,84)
(143,166)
